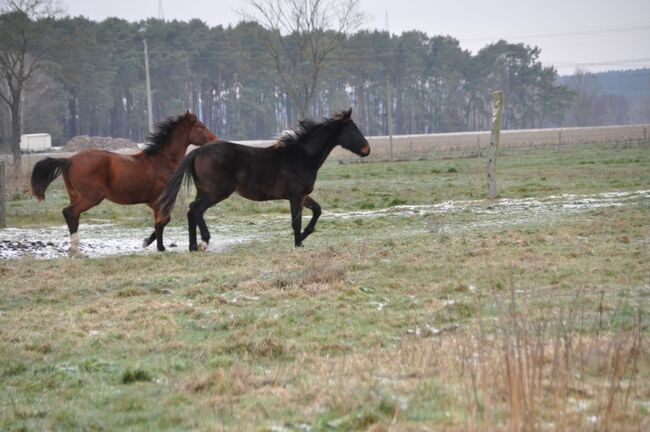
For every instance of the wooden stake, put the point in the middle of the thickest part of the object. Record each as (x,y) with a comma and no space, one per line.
(497,108)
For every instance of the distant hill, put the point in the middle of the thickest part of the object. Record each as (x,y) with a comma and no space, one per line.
(627,83)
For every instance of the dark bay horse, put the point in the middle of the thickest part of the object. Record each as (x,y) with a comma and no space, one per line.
(93,175)
(285,170)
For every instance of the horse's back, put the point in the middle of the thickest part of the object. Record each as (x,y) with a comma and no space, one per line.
(256,173)
(121,178)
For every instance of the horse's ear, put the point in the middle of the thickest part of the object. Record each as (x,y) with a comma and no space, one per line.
(191,117)
(347,114)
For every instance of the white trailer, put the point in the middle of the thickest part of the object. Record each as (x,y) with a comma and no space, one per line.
(35,142)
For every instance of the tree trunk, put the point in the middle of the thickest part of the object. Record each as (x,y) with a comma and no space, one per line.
(16,131)
(73,125)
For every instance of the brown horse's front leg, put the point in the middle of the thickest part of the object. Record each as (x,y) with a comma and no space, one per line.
(160,226)
(312,205)
(296,219)
(146,242)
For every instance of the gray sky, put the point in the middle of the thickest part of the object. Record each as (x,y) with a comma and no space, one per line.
(593,35)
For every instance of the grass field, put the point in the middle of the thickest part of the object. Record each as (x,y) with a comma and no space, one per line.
(463,320)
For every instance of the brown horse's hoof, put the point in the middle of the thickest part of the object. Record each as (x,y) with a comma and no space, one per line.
(75,253)
(203,246)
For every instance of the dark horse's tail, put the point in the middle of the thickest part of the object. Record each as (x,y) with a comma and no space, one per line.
(167,198)
(44,173)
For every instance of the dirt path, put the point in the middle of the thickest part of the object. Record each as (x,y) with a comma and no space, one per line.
(107,239)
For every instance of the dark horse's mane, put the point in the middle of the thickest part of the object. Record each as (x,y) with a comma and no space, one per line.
(157,140)
(306,128)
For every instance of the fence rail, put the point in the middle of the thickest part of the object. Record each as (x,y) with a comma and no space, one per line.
(407,146)
(478,142)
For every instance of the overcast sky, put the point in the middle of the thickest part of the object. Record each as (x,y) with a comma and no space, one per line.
(593,35)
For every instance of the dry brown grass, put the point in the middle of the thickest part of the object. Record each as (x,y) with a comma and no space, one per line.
(543,374)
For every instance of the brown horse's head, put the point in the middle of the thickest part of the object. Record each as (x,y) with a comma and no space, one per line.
(351,137)
(199,134)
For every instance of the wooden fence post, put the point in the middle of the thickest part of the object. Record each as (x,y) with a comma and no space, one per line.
(2,194)
(497,107)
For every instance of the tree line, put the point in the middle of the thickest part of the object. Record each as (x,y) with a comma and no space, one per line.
(91,81)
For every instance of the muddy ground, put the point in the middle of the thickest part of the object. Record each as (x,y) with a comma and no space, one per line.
(100,240)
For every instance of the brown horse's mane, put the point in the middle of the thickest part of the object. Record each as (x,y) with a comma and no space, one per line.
(306,128)
(160,138)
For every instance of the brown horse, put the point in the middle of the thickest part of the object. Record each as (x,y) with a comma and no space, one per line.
(93,175)
(286,170)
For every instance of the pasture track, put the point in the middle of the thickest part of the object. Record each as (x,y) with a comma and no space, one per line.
(102,240)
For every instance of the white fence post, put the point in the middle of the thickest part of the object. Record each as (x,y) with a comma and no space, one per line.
(495,136)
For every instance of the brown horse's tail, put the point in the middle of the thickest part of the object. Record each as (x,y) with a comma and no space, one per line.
(44,173)
(168,196)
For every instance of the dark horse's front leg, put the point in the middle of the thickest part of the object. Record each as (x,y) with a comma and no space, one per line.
(312,205)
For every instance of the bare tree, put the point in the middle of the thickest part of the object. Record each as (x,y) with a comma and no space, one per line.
(588,108)
(303,36)
(22,53)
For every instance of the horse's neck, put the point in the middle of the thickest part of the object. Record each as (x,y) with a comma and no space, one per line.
(328,142)
(174,152)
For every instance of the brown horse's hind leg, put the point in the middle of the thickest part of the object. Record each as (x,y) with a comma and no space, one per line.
(71,215)
(312,205)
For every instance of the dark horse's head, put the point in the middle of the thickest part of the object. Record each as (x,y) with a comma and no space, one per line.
(315,137)
(351,137)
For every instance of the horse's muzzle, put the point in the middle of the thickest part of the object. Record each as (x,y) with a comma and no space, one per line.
(365,151)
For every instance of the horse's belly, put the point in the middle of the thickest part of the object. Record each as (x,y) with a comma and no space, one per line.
(131,193)
(257,194)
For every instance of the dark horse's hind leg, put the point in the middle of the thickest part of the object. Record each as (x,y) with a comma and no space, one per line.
(296,219)
(195,218)
(312,205)
(205,234)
